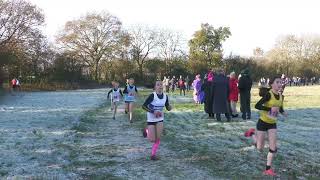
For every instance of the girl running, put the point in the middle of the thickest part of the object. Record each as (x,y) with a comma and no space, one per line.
(270,105)
(154,105)
(115,97)
(130,93)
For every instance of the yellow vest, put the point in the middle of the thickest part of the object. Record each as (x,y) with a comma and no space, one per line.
(273,102)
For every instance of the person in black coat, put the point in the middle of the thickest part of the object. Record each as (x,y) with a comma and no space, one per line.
(208,96)
(245,84)
(220,89)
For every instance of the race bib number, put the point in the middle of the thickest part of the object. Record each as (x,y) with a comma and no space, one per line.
(273,115)
(129,98)
(158,114)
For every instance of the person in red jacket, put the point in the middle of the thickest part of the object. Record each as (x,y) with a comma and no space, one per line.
(14,83)
(182,86)
(233,94)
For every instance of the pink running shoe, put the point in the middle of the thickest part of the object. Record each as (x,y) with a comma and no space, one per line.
(269,172)
(249,133)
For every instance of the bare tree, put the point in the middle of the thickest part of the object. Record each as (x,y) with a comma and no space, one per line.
(143,41)
(39,53)
(170,46)
(93,38)
(258,52)
(18,20)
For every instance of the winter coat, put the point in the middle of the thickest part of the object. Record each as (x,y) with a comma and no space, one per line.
(220,94)
(245,83)
(234,91)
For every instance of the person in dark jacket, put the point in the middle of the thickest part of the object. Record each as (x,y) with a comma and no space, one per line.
(245,84)
(220,89)
(187,83)
(208,96)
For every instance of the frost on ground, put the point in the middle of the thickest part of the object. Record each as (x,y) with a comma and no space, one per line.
(109,148)
(35,130)
(71,135)
(231,155)
(57,136)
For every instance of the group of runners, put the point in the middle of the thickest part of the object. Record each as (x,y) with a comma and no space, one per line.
(270,106)
(154,105)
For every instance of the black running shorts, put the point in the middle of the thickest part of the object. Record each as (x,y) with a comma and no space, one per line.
(153,123)
(263,126)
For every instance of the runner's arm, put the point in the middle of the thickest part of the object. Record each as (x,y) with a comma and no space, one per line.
(168,106)
(125,91)
(148,101)
(281,110)
(136,91)
(109,93)
(260,103)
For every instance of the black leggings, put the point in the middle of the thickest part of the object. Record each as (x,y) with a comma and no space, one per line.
(184,91)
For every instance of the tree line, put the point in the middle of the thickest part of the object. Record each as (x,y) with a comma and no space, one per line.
(98,48)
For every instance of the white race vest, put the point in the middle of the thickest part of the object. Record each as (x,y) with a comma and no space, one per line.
(156,105)
(131,95)
(115,95)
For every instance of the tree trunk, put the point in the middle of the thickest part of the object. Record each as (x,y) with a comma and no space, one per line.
(96,71)
(141,71)
(166,67)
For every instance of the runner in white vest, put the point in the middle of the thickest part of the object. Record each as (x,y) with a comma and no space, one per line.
(154,105)
(130,93)
(115,97)
(157,105)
